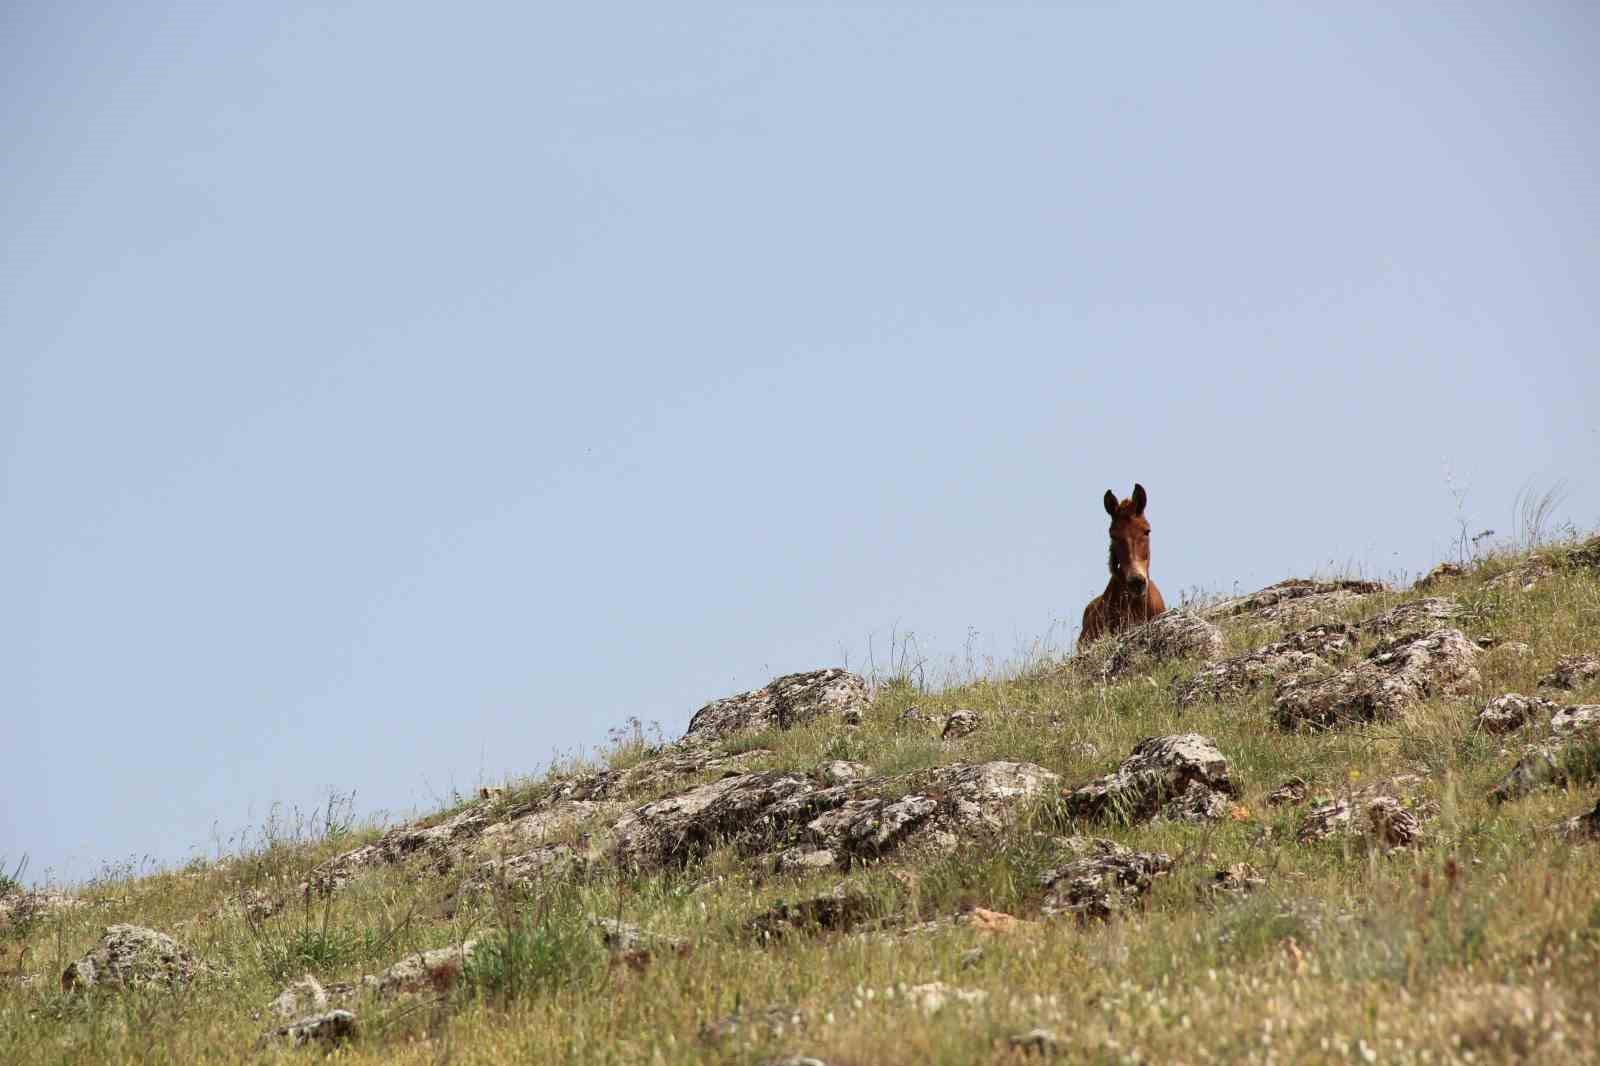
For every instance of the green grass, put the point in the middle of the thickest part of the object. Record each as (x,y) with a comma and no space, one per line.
(1480,944)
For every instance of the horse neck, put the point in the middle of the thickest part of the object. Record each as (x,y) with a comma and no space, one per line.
(1120,602)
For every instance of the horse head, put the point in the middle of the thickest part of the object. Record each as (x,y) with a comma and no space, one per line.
(1130,540)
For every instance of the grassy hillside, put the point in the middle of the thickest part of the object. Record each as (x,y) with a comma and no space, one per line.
(1475,938)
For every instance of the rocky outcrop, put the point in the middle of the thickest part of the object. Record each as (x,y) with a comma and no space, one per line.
(1585,826)
(1289,793)
(1376,812)
(129,956)
(328,1030)
(784,702)
(1413,618)
(961,723)
(1394,675)
(766,1023)
(1166,637)
(834,913)
(1179,778)
(1513,711)
(1550,763)
(19,907)
(1297,655)
(791,821)
(1540,766)
(1524,577)
(304,997)
(1572,671)
(1104,879)
(638,946)
(1297,601)
(1041,1042)
(1443,572)
(511,839)
(424,971)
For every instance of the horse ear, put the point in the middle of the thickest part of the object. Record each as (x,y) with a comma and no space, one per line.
(1111,503)
(1139,499)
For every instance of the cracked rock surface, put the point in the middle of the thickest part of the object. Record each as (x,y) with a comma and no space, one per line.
(131,955)
(1392,676)
(1104,879)
(783,702)
(1180,778)
(1174,635)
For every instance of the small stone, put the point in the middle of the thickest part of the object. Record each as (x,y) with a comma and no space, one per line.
(1512,711)
(1041,1042)
(1585,826)
(1442,572)
(841,772)
(1291,791)
(434,970)
(329,1029)
(1240,879)
(960,724)
(936,995)
(771,1022)
(635,945)
(303,997)
(1572,671)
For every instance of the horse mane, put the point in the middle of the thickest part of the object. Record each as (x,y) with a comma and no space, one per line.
(1112,560)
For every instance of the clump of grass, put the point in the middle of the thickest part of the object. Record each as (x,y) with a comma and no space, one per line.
(552,945)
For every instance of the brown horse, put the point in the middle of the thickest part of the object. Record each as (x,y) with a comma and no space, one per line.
(1130,596)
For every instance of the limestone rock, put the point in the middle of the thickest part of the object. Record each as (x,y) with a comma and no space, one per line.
(19,907)
(423,971)
(1585,826)
(1513,711)
(303,997)
(1391,677)
(842,772)
(960,724)
(784,702)
(1295,656)
(1442,572)
(1413,618)
(1375,812)
(131,955)
(792,820)
(1240,879)
(1572,671)
(933,997)
(1181,778)
(1173,635)
(511,838)
(1297,601)
(835,913)
(768,1022)
(635,945)
(1104,879)
(1541,766)
(1569,722)
(1524,577)
(1041,1042)
(328,1029)
(1290,792)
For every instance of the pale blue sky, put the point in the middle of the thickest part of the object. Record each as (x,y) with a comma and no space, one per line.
(393,394)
